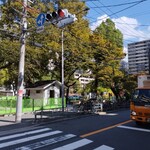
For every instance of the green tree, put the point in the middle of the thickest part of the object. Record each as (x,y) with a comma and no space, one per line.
(75,50)
(36,59)
(108,61)
(45,60)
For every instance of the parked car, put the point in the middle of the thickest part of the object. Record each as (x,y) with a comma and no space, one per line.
(74,97)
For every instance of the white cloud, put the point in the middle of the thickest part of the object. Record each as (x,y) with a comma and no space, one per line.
(98,22)
(128,26)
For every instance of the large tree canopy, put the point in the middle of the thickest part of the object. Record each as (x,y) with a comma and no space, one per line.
(38,60)
(107,56)
(99,51)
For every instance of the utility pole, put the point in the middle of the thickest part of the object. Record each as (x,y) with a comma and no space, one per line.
(20,87)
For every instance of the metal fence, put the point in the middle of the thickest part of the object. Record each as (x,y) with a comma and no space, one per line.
(8,104)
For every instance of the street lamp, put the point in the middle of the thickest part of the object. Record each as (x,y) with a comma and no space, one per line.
(62,70)
(61,24)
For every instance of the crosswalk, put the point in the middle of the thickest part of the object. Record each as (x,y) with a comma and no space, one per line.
(38,138)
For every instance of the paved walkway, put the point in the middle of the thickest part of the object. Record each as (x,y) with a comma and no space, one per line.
(29,118)
(10,120)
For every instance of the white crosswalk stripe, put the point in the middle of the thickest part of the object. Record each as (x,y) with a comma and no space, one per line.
(46,142)
(23,134)
(74,145)
(104,147)
(13,142)
(39,138)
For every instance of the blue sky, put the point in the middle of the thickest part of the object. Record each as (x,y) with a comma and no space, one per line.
(132,21)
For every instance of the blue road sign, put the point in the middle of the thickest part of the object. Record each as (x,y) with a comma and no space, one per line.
(40,20)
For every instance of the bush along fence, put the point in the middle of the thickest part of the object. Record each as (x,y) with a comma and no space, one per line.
(8,104)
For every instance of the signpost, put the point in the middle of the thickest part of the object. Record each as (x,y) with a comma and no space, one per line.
(40,29)
(40,20)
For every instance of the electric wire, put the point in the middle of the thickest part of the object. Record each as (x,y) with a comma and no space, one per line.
(129,27)
(134,35)
(122,20)
(140,25)
(114,13)
(122,4)
(104,12)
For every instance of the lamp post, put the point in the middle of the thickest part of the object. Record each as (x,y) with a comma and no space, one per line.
(62,25)
(20,87)
(62,69)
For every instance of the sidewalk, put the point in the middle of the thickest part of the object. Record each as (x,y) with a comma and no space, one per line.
(29,118)
(10,119)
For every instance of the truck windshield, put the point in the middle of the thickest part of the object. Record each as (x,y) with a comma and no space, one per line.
(142,95)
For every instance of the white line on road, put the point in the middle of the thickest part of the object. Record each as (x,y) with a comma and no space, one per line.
(23,134)
(26,139)
(74,145)
(104,147)
(44,143)
(20,129)
(133,128)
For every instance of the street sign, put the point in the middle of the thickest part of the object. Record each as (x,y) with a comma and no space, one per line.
(40,29)
(40,20)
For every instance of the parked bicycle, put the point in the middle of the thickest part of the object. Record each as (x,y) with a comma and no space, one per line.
(90,105)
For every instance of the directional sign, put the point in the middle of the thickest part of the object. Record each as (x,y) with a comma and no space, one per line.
(40,20)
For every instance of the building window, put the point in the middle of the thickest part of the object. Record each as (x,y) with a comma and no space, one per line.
(38,91)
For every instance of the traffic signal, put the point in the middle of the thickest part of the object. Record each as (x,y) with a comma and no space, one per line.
(60,18)
(55,16)
(48,16)
(63,13)
(68,20)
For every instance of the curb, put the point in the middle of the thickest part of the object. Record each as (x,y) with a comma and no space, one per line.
(59,119)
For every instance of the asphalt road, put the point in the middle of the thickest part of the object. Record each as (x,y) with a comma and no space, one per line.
(93,132)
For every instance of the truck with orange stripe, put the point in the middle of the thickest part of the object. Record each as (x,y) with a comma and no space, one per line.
(140,102)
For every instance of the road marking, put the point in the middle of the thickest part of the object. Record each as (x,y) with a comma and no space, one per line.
(133,128)
(46,142)
(22,129)
(104,147)
(74,145)
(26,139)
(23,134)
(104,129)
(107,114)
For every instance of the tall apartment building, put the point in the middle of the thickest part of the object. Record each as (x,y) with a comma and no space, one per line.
(139,57)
